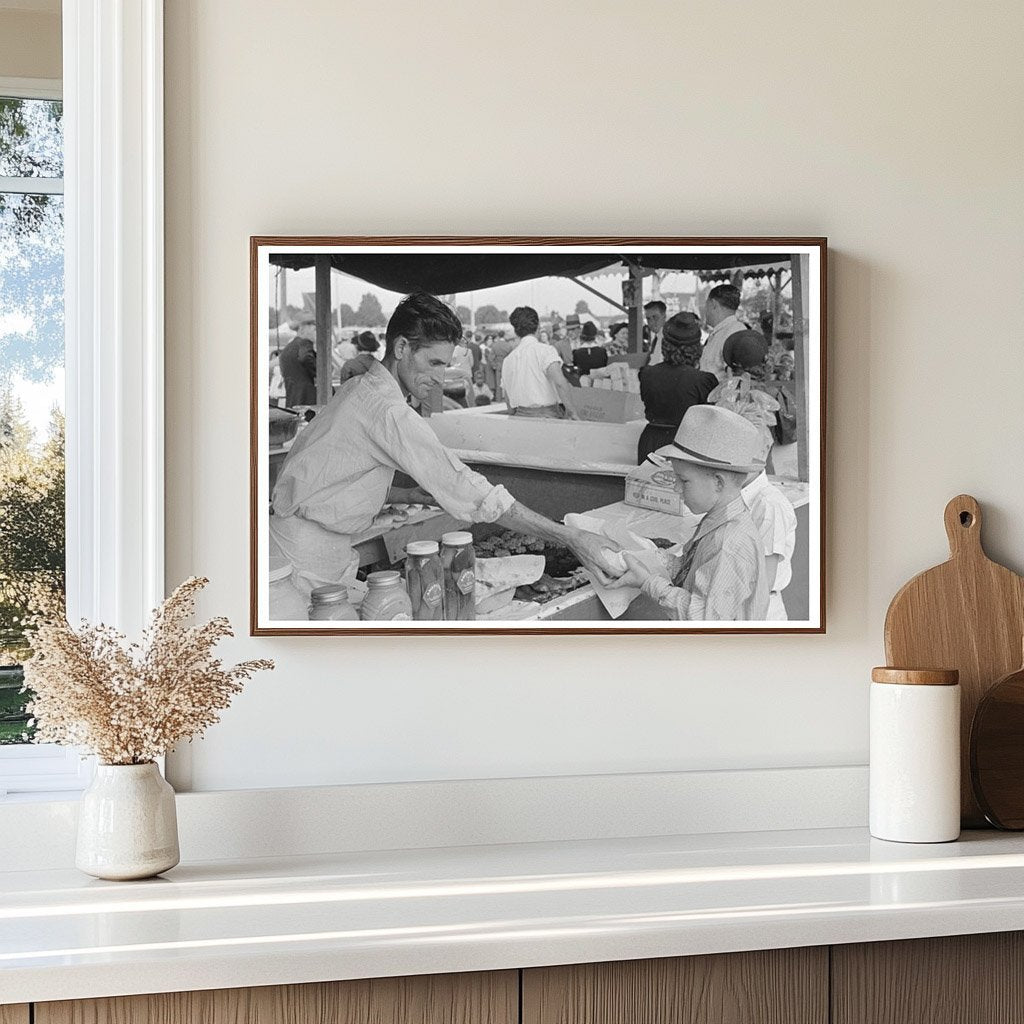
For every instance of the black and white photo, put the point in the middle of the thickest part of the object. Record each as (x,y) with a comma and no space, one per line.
(537,435)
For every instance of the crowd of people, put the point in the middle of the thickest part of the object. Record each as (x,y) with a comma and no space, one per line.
(722,359)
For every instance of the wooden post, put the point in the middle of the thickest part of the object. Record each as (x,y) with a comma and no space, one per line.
(776,286)
(323,329)
(800,315)
(636,312)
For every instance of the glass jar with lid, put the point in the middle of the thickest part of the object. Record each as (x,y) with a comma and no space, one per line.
(330,603)
(458,559)
(386,598)
(287,602)
(425,579)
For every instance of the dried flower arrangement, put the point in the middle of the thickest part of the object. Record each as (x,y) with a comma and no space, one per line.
(129,704)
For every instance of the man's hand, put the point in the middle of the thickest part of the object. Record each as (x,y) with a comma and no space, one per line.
(637,572)
(593,549)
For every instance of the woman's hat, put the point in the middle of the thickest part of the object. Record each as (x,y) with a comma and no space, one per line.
(745,349)
(589,331)
(717,439)
(682,329)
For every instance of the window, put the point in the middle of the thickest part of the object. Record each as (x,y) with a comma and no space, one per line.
(32,533)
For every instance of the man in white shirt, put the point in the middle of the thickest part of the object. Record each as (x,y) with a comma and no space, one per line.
(655,312)
(722,321)
(531,376)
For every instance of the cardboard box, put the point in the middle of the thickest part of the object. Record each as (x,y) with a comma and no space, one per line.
(648,486)
(600,406)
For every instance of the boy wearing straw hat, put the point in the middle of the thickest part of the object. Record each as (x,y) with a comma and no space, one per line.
(721,574)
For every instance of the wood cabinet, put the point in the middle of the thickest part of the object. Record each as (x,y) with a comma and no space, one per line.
(481,998)
(775,986)
(961,979)
(967,979)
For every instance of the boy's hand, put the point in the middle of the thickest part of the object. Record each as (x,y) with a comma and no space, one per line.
(637,572)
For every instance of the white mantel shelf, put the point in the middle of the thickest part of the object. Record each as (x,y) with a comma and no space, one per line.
(224,924)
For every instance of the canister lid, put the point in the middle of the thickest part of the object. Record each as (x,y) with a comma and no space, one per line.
(332,593)
(421,547)
(456,537)
(385,578)
(916,676)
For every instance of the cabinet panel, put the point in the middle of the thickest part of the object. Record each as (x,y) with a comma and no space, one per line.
(14,1014)
(961,979)
(778,986)
(481,998)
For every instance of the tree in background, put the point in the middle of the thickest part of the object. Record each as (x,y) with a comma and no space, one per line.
(464,314)
(32,555)
(491,315)
(32,573)
(582,307)
(369,313)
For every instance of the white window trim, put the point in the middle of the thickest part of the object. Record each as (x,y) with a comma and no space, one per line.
(32,88)
(114,265)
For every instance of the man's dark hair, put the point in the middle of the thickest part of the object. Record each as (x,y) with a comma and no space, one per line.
(423,320)
(656,304)
(726,295)
(524,321)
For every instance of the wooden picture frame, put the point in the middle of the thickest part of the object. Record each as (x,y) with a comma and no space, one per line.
(561,467)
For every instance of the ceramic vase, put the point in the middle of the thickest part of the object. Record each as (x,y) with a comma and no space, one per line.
(127,825)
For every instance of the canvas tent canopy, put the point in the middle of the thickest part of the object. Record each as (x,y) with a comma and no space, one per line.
(448,273)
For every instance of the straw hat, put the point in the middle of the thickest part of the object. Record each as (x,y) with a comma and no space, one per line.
(718,439)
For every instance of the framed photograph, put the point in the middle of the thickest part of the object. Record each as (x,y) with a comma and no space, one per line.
(537,435)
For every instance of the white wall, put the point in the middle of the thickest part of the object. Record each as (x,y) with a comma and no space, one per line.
(894,129)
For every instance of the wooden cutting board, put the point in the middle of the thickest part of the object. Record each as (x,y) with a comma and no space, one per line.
(967,614)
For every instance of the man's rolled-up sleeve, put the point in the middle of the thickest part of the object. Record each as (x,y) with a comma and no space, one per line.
(407,441)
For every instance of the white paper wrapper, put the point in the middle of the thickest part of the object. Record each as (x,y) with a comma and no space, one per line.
(497,579)
(615,601)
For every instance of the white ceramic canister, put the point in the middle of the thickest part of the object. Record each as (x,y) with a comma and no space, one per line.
(915,755)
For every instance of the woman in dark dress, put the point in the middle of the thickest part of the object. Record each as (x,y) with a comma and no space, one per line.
(591,355)
(671,387)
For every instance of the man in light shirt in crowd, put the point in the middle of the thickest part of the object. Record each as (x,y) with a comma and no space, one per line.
(655,312)
(722,321)
(531,377)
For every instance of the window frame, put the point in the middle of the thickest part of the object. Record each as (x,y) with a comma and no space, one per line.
(112,90)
